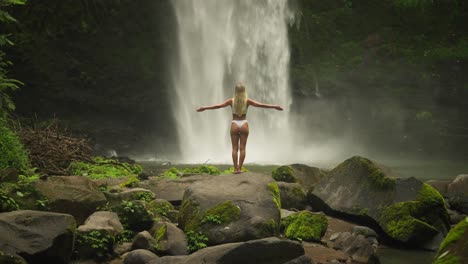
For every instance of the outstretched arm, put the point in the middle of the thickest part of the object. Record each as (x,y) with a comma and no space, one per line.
(226,103)
(257,104)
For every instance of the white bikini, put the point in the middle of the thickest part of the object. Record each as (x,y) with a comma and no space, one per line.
(239,123)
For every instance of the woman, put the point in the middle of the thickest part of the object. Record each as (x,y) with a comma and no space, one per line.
(239,125)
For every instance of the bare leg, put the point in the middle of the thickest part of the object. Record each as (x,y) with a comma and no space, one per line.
(244,134)
(235,144)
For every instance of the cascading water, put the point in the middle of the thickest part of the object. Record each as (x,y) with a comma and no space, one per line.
(220,43)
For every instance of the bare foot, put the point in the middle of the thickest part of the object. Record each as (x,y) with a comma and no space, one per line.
(237,171)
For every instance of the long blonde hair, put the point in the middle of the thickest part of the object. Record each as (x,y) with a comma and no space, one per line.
(239,101)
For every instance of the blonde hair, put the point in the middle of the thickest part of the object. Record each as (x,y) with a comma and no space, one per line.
(239,101)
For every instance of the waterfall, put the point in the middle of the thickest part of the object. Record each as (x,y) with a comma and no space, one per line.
(220,43)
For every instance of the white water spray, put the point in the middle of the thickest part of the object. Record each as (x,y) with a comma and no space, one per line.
(220,43)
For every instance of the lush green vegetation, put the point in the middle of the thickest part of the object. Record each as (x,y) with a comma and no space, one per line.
(196,240)
(102,168)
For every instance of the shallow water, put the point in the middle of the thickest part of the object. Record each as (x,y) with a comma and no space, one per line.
(401,256)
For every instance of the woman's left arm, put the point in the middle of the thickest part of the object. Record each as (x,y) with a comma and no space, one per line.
(262,105)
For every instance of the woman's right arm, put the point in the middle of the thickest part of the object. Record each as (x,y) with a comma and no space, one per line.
(262,105)
(217,106)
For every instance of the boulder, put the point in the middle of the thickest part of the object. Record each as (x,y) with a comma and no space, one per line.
(453,248)
(140,256)
(38,237)
(440,185)
(172,190)
(75,195)
(129,195)
(162,209)
(170,239)
(308,176)
(365,231)
(455,217)
(284,174)
(457,194)
(103,221)
(304,226)
(97,236)
(292,195)
(144,240)
(407,210)
(11,259)
(232,208)
(357,246)
(261,251)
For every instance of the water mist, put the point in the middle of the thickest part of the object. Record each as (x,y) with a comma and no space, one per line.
(220,43)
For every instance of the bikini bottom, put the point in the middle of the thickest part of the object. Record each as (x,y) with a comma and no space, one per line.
(239,123)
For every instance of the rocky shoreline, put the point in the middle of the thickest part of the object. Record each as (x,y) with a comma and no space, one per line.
(298,214)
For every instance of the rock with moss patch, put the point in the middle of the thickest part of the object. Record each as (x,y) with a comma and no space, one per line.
(284,174)
(407,210)
(308,176)
(304,226)
(232,208)
(292,195)
(170,239)
(75,195)
(457,193)
(453,250)
(38,237)
(161,208)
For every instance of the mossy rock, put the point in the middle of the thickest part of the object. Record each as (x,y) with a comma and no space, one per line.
(407,210)
(453,250)
(160,208)
(232,208)
(416,221)
(304,226)
(284,174)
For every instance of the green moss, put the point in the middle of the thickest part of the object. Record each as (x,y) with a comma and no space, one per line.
(273,187)
(285,174)
(174,173)
(417,219)
(131,182)
(376,177)
(364,211)
(225,212)
(189,216)
(160,234)
(231,170)
(160,207)
(103,168)
(448,259)
(455,233)
(305,226)
(268,228)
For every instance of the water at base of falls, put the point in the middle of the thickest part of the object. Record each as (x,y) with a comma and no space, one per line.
(220,43)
